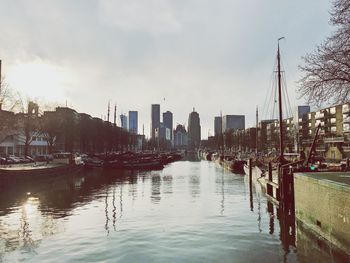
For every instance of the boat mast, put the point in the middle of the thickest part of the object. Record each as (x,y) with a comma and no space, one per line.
(108,110)
(115,115)
(280,97)
(256,133)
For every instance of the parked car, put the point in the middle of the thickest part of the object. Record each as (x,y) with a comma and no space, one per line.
(13,159)
(30,159)
(41,158)
(2,160)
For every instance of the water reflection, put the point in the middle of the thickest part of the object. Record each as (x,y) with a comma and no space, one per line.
(106,212)
(155,188)
(194,185)
(196,203)
(168,184)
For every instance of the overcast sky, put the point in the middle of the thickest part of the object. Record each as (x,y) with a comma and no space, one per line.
(211,55)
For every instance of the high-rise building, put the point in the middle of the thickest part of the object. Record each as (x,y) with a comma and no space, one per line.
(168,124)
(155,119)
(194,130)
(180,137)
(233,122)
(133,122)
(217,125)
(124,121)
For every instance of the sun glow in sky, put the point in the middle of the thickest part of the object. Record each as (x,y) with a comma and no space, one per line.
(216,56)
(38,79)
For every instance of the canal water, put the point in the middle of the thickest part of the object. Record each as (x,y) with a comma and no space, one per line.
(191,211)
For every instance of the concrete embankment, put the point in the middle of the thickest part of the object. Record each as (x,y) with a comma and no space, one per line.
(322,205)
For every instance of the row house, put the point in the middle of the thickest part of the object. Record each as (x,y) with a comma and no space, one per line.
(333,141)
(20,133)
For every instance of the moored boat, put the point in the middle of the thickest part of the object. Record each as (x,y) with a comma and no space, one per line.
(62,163)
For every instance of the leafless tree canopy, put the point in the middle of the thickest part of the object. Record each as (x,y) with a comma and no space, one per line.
(8,98)
(327,70)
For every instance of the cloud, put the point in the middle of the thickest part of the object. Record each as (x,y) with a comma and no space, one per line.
(153,16)
(211,55)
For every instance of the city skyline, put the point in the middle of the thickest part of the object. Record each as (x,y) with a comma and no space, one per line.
(177,58)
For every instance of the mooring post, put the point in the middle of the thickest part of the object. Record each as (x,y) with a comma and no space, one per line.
(251,184)
(280,182)
(250,170)
(268,186)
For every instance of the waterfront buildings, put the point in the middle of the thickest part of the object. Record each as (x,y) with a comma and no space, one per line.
(61,130)
(15,145)
(233,122)
(133,122)
(333,141)
(194,130)
(334,133)
(124,121)
(155,119)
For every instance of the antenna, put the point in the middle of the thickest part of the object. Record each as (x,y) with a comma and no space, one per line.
(115,115)
(108,112)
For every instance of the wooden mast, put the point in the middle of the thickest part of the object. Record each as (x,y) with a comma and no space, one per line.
(108,112)
(115,115)
(256,132)
(280,99)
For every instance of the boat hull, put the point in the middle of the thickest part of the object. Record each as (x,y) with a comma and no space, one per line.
(35,172)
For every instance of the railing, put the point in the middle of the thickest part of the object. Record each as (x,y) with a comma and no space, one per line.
(320,149)
(307,141)
(319,122)
(333,139)
(346,148)
(319,115)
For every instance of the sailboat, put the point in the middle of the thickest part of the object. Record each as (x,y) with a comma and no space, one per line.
(261,166)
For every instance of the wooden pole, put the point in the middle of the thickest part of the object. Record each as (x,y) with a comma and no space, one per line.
(250,170)
(268,186)
(280,100)
(251,184)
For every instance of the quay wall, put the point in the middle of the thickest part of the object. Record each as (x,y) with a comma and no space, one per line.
(322,205)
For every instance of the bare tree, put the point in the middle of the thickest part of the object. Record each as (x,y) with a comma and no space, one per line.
(28,125)
(327,70)
(9,99)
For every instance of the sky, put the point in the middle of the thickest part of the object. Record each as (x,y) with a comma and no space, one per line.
(182,54)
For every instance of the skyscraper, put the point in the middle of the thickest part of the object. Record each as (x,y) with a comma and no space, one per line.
(217,126)
(168,124)
(124,121)
(233,122)
(194,130)
(133,122)
(155,119)
(180,137)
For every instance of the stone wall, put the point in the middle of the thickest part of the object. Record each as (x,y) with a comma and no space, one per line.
(323,206)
